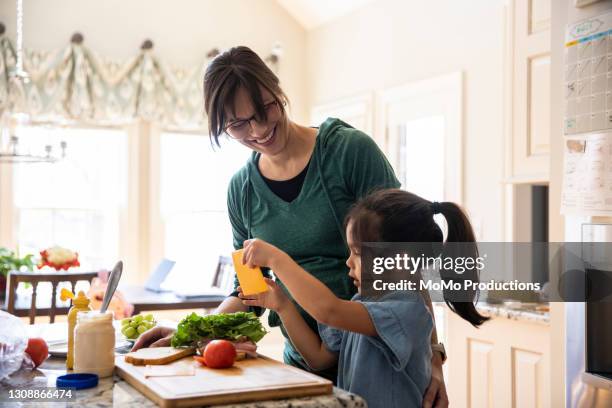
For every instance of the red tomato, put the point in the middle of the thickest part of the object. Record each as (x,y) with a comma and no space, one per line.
(219,354)
(200,360)
(38,350)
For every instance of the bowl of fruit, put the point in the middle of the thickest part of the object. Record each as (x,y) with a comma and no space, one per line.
(132,327)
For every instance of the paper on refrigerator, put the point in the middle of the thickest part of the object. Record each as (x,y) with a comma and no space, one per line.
(587,175)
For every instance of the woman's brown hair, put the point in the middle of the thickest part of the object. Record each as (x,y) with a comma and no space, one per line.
(394,215)
(238,67)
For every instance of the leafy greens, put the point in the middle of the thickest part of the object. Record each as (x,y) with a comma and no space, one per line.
(229,326)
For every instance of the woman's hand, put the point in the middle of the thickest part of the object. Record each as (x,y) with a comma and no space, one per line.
(157,336)
(260,253)
(274,298)
(436,396)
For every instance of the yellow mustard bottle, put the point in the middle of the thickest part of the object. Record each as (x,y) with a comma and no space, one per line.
(80,303)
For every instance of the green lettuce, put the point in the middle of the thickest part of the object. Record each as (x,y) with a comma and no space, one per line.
(228,326)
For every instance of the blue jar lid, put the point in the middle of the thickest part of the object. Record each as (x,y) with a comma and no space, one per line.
(78,381)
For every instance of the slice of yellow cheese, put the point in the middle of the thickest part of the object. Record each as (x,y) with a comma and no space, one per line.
(251,279)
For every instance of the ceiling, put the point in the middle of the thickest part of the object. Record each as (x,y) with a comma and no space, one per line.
(313,13)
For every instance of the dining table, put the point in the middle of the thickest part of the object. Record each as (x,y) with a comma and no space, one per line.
(114,391)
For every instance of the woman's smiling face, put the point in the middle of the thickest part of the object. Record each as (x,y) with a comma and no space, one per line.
(267,136)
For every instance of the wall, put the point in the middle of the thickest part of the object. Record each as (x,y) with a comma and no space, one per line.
(183,31)
(388,43)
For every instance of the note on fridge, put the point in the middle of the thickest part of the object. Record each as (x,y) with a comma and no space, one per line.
(251,279)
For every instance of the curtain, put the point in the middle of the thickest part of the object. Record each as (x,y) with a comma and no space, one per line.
(76,85)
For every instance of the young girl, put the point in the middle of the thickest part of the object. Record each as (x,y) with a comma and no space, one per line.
(382,347)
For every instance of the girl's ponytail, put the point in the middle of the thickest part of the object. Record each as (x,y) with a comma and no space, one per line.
(459,227)
(460,230)
(394,215)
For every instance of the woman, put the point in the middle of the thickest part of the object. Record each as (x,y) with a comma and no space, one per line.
(295,190)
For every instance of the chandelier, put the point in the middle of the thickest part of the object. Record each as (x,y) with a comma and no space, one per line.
(15,116)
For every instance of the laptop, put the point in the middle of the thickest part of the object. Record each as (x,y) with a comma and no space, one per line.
(187,294)
(158,276)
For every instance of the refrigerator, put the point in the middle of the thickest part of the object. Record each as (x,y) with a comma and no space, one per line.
(581,112)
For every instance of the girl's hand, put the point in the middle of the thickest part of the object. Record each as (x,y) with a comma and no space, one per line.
(260,253)
(435,395)
(274,299)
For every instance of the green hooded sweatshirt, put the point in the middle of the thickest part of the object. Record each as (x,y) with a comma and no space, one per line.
(345,166)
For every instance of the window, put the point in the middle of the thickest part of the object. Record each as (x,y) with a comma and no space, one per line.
(194,182)
(421,152)
(77,202)
(423,121)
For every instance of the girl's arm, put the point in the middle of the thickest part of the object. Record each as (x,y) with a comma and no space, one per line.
(318,300)
(305,340)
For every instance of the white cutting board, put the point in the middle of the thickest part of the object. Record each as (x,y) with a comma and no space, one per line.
(253,379)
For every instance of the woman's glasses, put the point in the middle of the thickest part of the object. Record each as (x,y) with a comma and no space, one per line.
(239,129)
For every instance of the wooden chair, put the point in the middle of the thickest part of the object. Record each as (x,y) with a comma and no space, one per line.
(34,278)
(224,275)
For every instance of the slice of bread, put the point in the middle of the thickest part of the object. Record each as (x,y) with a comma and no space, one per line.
(157,355)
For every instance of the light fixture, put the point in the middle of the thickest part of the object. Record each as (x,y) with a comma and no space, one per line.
(13,155)
(16,115)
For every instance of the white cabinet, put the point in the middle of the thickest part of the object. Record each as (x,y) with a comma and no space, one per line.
(528,65)
(505,363)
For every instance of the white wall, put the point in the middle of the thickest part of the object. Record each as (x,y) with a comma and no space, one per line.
(183,31)
(393,42)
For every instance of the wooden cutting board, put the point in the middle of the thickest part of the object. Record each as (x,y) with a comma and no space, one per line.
(253,379)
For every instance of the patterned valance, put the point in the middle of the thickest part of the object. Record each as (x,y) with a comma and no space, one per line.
(75,85)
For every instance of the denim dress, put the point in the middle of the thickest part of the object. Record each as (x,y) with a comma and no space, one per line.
(392,369)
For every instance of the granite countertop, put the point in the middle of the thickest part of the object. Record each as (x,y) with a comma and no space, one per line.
(115,392)
(530,312)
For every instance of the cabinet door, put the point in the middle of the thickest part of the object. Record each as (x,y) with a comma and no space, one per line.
(503,364)
(530,89)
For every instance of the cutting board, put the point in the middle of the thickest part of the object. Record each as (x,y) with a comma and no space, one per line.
(253,379)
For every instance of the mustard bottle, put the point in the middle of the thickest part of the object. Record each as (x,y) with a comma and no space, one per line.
(80,303)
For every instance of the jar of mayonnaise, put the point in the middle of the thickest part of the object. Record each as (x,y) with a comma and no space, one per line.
(94,343)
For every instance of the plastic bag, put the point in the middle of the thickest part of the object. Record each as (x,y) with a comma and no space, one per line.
(13,342)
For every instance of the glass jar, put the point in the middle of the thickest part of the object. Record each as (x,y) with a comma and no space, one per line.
(94,343)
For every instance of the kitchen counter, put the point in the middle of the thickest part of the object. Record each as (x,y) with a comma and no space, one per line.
(115,392)
(531,312)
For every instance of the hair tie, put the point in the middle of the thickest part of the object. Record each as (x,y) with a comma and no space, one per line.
(436,208)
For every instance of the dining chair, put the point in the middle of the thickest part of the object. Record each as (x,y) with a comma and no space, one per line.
(18,307)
